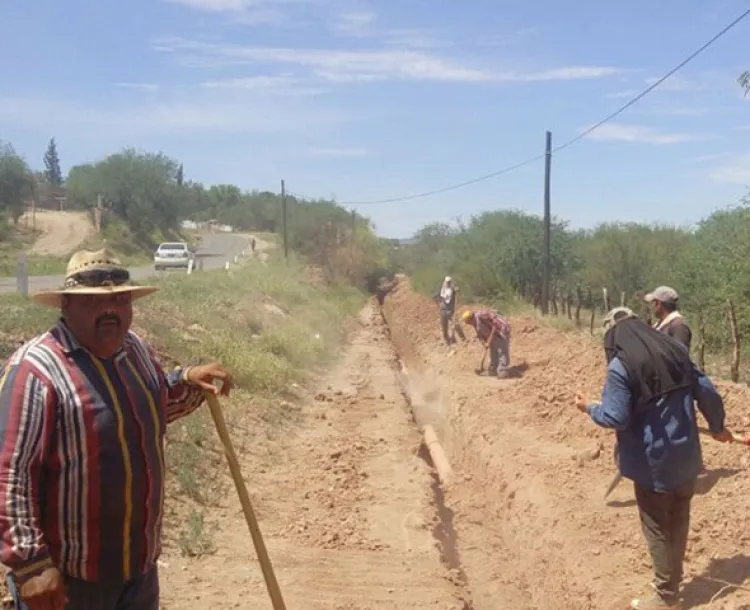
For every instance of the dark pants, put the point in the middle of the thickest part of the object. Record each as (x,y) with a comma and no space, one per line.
(447,319)
(140,593)
(499,354)
(665,519)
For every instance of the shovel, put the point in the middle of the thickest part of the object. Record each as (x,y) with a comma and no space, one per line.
(480,370)
(272,585)
(617,478)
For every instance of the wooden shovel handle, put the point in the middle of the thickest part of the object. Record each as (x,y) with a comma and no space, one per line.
(272,585)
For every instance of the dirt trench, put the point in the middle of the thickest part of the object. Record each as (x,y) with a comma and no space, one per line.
(354,518)
(528,521)
(345,502)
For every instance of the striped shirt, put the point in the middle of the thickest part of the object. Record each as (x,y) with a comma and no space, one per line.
(487,320)
(82,457)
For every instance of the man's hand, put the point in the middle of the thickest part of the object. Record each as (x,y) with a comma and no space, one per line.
(204,376)
(44,592)
(581,402)
(725,436)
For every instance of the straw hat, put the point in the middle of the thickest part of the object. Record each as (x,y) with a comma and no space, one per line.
(616,315)
(98,272)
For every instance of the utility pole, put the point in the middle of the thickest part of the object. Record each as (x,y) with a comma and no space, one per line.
(547,226)
(283,221)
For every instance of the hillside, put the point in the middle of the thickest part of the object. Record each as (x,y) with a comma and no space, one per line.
(59,233)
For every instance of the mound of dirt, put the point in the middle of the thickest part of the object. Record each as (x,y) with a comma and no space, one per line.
(61,232)
(534,530)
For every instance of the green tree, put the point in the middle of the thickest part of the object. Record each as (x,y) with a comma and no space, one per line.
(139,188)
(17,184)
(744,81)
(52,172)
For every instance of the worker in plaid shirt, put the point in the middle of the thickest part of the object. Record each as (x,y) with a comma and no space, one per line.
(494,331)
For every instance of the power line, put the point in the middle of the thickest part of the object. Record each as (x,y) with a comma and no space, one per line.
(649,89)
(515,166)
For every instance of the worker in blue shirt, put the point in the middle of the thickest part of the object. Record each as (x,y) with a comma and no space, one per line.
(648,399)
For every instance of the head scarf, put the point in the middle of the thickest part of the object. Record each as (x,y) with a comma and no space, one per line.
(656,363)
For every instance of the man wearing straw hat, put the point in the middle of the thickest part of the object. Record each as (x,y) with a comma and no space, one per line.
(83,413)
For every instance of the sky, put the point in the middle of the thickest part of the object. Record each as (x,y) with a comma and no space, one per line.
(365,100)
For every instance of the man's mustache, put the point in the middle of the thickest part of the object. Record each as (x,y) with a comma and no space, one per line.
(106,318)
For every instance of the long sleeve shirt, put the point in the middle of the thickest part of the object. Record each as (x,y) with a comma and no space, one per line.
(658,443)
(488,320)
(82,457)
(674,325)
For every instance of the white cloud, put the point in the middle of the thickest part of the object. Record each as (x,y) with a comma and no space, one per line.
(709,157)
(244,12)
(280,85)
(736,171)
(138,86)
(214,5)
(642,134)
(570,73)
(205,111)
(328,64)
(414,38)
(338,152)
(498,40)
(362,65)
(623,94)
(231,6)
(675,83)
(354,23)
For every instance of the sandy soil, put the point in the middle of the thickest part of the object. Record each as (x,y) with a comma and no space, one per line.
(62,232)
(533,528)
(345,505)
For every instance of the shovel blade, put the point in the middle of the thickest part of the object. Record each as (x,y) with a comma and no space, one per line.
(615,482)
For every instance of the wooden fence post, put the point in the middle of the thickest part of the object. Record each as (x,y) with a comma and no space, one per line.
(701,342)
(607,304)
(735,367)
(22,275)
(579,296)
(622,298)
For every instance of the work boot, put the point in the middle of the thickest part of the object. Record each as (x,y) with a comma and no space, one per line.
(502,374)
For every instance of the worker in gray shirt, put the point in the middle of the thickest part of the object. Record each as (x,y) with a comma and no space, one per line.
(664,305)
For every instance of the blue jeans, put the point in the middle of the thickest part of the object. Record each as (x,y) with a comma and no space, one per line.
(140,593)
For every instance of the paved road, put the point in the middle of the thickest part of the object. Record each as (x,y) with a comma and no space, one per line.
(215,250)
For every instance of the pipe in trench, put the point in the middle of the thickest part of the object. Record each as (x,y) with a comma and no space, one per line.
(439,461)
(435,449)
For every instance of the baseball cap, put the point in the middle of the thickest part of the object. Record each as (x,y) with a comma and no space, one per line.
(665,294)
(615,315)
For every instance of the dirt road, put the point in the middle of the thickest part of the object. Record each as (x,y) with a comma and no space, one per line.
(62,232)
(345,504)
